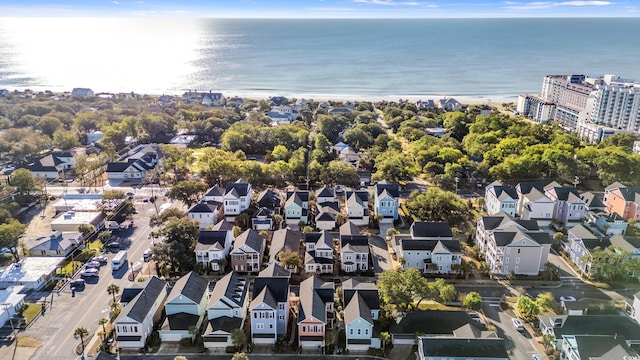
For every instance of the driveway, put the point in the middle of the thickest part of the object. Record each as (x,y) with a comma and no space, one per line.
(520,343)
(380,254)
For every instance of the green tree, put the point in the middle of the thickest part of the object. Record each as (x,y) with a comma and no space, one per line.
(527,308)
(113,290)
(545,300)
(65,139)
(187,191)
(102,322)
(473,301)
(239,339)
(239,356)
(10,234)
(169,213)
(176,252)
(81,333)
(24,183)
(280,152)
(85,229)
(340,172)
(289,259)
(385,339)
(438,205)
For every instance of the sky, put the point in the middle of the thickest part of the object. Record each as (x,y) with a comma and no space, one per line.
(319,8)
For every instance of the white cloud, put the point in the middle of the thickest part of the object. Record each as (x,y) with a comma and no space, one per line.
(116,2)
(388,2)
(512,5)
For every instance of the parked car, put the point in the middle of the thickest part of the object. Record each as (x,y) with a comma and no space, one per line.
(567,298)
(114,245)
(77,283)
(92,265)
(4,251)
(536,357)
(101,259)
(137,266)
(517,324)
(147,255)
(91,272)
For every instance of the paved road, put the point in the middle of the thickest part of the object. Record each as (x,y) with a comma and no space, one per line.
(518,342)
(89,305)
(380,254)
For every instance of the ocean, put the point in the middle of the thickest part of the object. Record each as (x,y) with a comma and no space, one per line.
(482,59)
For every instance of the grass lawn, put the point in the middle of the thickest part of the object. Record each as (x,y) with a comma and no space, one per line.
(31,311)
(68,269)
(433,305)
(25,341)
(96,245)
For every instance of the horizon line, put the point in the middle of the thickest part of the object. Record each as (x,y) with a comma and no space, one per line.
(133,16)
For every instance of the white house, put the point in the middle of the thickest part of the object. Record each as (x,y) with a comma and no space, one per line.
(357,205)
(212,248)
(12,300)
(31,272)
(137,318)
(533,204)
(226,310)
(318,257)
(57,244)
(501,198)
(237,197)
(568,205)
(185,307)
(354,248)
(205,213)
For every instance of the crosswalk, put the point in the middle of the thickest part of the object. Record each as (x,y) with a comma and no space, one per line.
(570,280)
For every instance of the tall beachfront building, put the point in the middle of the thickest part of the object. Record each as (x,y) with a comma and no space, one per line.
(593,107)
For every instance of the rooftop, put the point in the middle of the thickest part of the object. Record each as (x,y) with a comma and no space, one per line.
(30,269)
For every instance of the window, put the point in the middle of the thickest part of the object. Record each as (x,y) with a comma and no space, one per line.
(261,326)
(508,250)
(270,326)
(506,261)
(359,330)
(281,306)
(255,315)
(517,260)
(351,331)
(304,328)
(280,317)
(366,331)
(518,251)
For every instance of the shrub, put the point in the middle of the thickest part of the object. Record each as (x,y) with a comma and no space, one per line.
(230,349)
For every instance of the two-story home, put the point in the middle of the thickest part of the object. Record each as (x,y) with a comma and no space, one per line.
(58,243)
(386,201)
(568,205)
(185,307)
(634,308)
(136,320)
(212,248)
(284,240)
(237,198)
(469,345)
(608,223)
(53,166)
(327,215)
(512,246)
(357,205)
(318,257)
(215,194)
(205,213)
(354,248)
(226,310)
(430,248)
(296,207)
(566,328)
(362,307)
(247,253)
(533,203)
(268,204)
(501,198)
(315,312)
(439,323)
(269,308)
(580,242)
(624,201)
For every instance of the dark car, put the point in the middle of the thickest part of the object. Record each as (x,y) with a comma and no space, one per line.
(113,245)
(77,283)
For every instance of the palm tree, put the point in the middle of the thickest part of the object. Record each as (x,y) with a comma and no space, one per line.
(81,333)
(103,322)
(385,339)
(239,339)
(113,290)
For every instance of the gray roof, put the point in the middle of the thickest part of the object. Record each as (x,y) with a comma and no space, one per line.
(231,289)
(251,239)
(357,308)
(205,207)
(459,348)
(629,244)
(314,294)
(432,322)
(268,199)
(620,325)
(502,190)
(349,228)
(211,239)
(192,286)
(296,197)
(357,243)
(274,270)
(278,285)
(593,201)
(214,191)
(264,296)
(580,231)
(325,192)
(223,225)
(138,308)
(58,241)
(360,197)
(284,239)
(368,291)
(431,229)
(224,323)
(181,321)
(392,190)
(451,245)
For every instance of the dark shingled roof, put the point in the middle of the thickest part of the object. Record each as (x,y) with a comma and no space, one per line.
(431,229)
(446,347)
(231,288)
(357,308)
(599,325)
(211,238)
(242,188)
(279,287)
(314,294)
(392,189)
(138,308)
(205,207)
(451,245)
(432,322)
(182,321)
(225,323)
(192,286)
(251,239)
(268,199)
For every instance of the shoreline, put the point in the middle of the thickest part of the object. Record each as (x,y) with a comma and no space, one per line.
(260,95)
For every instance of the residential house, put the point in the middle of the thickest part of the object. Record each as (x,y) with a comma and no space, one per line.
(247,253)
(59,243)
(354,248)
(166,100)
(318,257)
(564,329)
(468,347)
(81,92)
(635,307)
(212,248)
(278,101)
(296,207)
(580,243)
(235,102)
(215,194)
(365,177)
(12,300)
(585,347)
(31,272)
(434,323)
(349,155)
(325,195)
(501,198)
(357,205)
(386,201)
(425,104)
(449,104)
(53,166)
(315,312)
(327,215)
(4,92)
(431,230)
(205,213)
(512,246)
(338,147)
(212,99)
(226,310)
(360,314)
(131,169)
(593,202)
(339,111)
(609,224)
(429,247)
(269,308)
(533,204)
(237,197)
(284,240)
(624,201)
(268,205)
(568,205)
(282,114)
(137,318)
(185,307)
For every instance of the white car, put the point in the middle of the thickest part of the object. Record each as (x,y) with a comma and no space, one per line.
(567,298)
(90,272)
(517,324)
